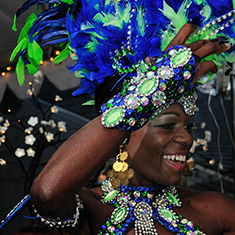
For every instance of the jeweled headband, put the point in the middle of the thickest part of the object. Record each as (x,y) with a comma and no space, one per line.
(109,36)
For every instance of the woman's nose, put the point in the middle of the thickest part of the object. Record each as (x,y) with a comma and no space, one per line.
(184,137)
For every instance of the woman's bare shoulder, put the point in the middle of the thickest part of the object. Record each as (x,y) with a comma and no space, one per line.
(216,205)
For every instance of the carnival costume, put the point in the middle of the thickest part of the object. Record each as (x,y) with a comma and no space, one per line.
(114,37)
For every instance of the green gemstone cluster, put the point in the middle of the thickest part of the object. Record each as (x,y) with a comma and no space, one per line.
(141,206)
(149,91)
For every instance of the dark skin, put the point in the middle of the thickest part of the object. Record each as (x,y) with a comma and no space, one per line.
(85,152)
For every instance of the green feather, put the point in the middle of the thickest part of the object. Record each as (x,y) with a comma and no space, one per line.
(28,25)
(21,46)
(14,28)
(63,55)
(89,103)
(178,19)
(35,52)
(91,46)
(32,67)
(20,71)
(140,21)
(67,1)
(37,9)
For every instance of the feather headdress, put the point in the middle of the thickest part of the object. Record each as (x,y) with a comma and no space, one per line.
(108,36)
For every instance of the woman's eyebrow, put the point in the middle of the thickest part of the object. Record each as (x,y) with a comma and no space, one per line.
(170,113)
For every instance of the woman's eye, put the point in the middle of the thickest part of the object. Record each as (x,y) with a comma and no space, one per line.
(167,126)
(189,126)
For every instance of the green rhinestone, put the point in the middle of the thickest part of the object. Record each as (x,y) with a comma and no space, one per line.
(147,86)
(144,194)
(180,57)
(116,205)
(120,70)
(184,230)
(180,216)
(188,66)
(114,116)
(110,195)
(196,227)
(107,223)
(119,214)
(172,198)
(139,109)
(181,226)
(119,226)
(167,214)
(154,68)
(109,105)
(124,91)
(100,232)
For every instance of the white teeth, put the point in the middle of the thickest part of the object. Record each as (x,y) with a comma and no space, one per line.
(178,157)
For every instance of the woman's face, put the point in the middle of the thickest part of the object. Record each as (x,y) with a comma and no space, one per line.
(158,150)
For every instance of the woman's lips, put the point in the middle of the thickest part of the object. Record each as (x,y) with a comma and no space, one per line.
(175,161)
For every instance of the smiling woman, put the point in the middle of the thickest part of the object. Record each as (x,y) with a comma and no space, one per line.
(144,68)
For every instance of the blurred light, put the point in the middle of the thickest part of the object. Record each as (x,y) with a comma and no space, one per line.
(212,161)
(9,110)
(57,52)
(41,62)
(3,74)
(51,59)
(9,68)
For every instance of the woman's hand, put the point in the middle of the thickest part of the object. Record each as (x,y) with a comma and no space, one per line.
(200,48)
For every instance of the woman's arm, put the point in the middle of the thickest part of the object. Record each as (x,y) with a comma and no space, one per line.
(72,165)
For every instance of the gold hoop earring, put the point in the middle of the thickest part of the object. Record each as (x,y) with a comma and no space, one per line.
(121,172)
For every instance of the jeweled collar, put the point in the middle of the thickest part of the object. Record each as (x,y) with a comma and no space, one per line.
(141,206)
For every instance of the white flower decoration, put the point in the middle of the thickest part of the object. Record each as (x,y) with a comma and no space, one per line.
(49,136)
(28,130)
(54,109)
(203,125)
(3,129)
(33,121)
(38,74)
(1,119)
(62,126)
(58,98)
(19,152)
(2,139)
(2,162)
(207,136)
(30,152)
(30,91)
(44,123)
(52,123)
(7,123)
(30,139)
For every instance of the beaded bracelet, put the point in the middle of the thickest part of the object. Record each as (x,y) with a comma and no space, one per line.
(62,223)
(152,91)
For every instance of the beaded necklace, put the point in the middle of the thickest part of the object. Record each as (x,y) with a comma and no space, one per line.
(141,206)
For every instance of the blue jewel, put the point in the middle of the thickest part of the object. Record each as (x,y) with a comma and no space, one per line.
(123,229)
(116,231)
(176,230)
(140,188)
(103,227)
(128,221)
(147,200)
(171,227)
(125,225)
(137,199)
